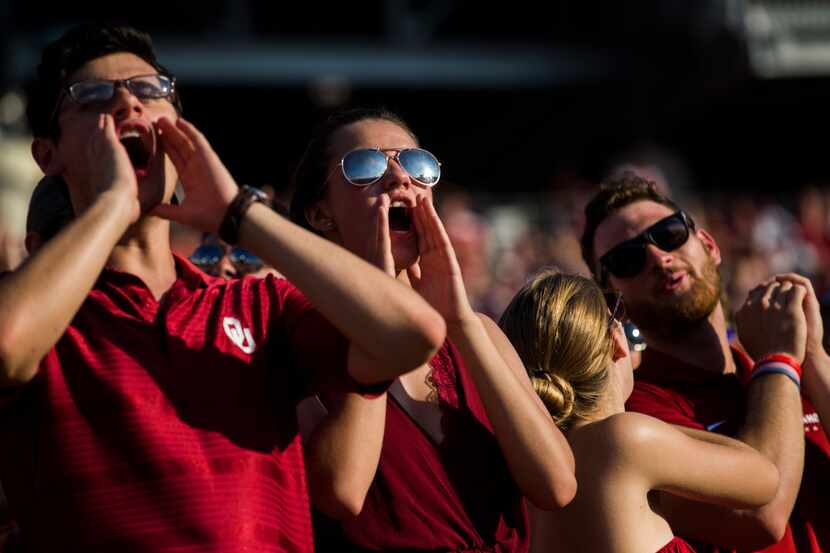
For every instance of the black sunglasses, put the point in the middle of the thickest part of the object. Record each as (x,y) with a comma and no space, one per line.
(96,91)
(368,165)
(208,256)
(627,259)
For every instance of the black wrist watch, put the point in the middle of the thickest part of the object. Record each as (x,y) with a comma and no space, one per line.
(247,196)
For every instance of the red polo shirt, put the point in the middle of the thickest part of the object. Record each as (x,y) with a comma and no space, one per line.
(170,425)
(678,393)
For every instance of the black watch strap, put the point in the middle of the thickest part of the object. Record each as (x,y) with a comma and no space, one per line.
(247,196)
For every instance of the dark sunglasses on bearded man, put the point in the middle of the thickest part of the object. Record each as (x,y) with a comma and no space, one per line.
(366,166)
(627,259)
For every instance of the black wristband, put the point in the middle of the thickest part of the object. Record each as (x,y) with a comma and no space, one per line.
(247,196)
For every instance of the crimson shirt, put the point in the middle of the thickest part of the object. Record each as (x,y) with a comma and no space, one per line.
(678,393)
(170,425)
(457,496)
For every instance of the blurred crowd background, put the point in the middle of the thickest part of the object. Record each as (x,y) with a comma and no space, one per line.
(722,102)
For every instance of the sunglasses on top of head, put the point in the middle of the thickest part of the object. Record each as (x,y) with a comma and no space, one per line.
(366,166)
(207,257)
(627,259)
(98,91)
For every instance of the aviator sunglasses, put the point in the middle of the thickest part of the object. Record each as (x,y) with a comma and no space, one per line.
(368,165)
(208,256)
(627,259)
(97,91)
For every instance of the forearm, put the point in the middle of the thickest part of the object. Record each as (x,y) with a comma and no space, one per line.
(714,524)
(537,453)
(38,301)
(774,427)
(712,437)
(342,454)
(386,320)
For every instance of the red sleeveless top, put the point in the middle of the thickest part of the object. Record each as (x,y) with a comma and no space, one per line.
(456,496)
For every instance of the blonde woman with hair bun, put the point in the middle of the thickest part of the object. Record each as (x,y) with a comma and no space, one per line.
(576,354)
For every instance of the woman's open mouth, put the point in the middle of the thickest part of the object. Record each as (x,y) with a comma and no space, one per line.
(400,218)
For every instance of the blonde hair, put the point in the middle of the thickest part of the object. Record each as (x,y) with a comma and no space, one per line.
(558,324)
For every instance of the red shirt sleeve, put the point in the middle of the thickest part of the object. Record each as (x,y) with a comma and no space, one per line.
(650,399)
(319,351)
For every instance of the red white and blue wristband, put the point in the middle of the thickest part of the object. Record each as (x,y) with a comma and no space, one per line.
(778,363)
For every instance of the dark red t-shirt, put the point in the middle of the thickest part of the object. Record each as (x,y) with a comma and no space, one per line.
(456,496)
(678,393)
(161,426)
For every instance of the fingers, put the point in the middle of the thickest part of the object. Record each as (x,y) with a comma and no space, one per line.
(105,123)
(194,134)
(176,144)
(429,226)
(106,128)
(420,229)
(810,297)
(414,274)
(383,239)
(438,227)
(769,293)
(795,279)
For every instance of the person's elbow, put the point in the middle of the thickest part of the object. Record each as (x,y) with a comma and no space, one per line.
(554,494)
(430,331)
(770,515)
(772,523)
(16,369)
(421,338)
(340,501)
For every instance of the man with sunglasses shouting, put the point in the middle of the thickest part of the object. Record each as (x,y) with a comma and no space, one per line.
(640,243)
(144,405)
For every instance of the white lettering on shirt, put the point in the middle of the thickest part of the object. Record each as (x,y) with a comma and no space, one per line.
(238,335)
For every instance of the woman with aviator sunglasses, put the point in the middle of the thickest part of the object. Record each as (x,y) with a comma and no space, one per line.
(574,347)
(440,462)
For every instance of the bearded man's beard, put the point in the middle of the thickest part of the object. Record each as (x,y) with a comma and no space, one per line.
(672,316)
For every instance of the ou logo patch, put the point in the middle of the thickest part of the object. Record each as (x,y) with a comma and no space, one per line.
(238,335)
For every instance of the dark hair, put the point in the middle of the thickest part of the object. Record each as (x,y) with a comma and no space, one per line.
(61,58)
(309,180)
(50,208)
(615,192)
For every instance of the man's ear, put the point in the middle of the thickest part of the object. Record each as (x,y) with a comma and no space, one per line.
(711,246)
(45,153)
(319,218)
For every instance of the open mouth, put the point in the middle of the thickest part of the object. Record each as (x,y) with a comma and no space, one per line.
(400,219)
(673,281)
(139,146)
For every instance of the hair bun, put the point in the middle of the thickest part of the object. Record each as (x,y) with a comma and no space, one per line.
(557,394)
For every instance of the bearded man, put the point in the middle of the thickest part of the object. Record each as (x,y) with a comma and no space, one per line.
(642,244)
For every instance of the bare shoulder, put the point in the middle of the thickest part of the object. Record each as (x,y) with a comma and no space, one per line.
(629,435)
